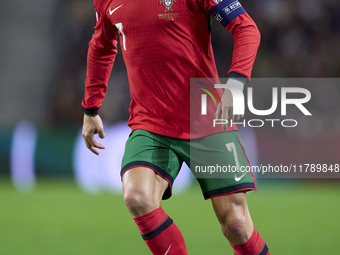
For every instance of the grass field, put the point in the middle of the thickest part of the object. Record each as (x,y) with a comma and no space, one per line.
(58,218)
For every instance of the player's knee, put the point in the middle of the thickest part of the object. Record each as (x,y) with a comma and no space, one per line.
(234,220)
(234,227)
(137,200)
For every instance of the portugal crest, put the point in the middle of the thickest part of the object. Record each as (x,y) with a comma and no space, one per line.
(167,4)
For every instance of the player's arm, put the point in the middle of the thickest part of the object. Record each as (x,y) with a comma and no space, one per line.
(93,125)
(100,58)
(231,15)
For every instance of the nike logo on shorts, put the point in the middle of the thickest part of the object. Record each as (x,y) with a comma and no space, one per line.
(240,177)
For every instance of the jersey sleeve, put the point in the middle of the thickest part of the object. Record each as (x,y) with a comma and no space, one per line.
(100,58)
(246,42)
(234,18)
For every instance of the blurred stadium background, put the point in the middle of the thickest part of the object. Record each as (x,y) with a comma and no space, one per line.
(57,198)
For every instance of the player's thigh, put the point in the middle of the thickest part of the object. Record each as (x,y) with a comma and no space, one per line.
(230,205)
(149,163)
(220,165)
(144,185)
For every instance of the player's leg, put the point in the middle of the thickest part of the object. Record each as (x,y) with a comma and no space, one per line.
(147,179)
(233,214)
(143,190)
(220,166)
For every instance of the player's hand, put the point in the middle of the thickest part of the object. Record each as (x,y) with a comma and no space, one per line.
(225,111)
(93,125)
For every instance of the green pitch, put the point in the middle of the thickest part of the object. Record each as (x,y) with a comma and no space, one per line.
(58,218)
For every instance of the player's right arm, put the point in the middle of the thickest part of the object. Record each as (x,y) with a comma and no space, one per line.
(100,58)
(93,125)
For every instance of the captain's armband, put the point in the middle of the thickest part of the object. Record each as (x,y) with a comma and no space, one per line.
(226,10)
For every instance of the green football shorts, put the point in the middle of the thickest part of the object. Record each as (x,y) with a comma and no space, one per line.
(217,161)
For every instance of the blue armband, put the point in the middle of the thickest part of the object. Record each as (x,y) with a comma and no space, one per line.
(227,10)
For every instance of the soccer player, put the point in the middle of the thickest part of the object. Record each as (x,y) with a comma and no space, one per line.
(164,44)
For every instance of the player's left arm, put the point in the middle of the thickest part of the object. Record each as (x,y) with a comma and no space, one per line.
(232,15)
(246,42)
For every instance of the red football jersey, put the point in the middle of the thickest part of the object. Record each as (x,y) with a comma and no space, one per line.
(164,44)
